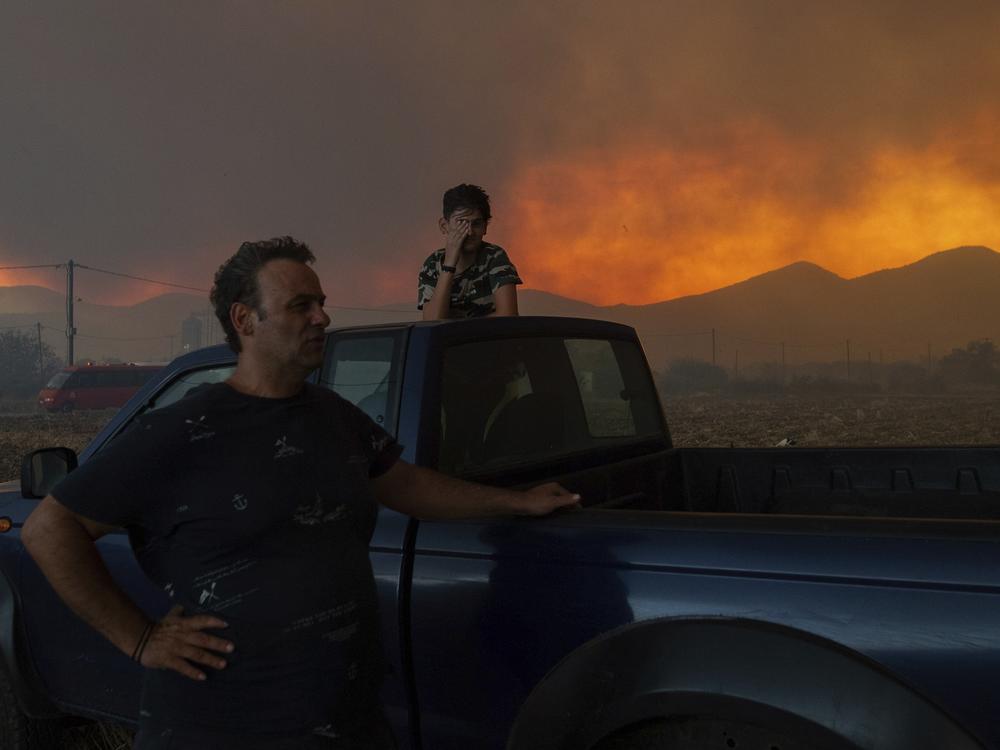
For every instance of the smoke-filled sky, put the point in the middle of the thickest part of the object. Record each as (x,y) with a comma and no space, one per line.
(634,151)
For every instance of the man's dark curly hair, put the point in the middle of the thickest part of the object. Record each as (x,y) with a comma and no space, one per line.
(236,279)
(466,196)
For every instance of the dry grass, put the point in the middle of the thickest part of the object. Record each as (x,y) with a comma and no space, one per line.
(695,420)
(877,420)
(24,431)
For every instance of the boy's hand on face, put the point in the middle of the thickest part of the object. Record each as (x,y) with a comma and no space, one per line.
(458,229)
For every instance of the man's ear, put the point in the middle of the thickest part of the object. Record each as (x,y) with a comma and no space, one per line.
(443,225)
(242,318)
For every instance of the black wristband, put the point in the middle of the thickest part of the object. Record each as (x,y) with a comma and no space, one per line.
(141,645)
(448,269)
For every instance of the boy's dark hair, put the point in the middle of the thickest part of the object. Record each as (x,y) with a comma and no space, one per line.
(236,279)
(466,196)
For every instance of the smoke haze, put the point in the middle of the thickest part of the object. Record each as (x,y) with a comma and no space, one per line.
(634,152)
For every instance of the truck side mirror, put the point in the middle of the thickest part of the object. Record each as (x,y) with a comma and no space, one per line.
(43,469)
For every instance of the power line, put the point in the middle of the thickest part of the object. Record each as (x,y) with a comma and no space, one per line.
(142,278)
(110,338)
(206,291)
(685,333)
(193,288)
(116,338)
(372,309)
(17,268)
(752,341)
(383,311)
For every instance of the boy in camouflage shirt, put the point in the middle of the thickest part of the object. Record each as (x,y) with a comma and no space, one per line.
(467,278)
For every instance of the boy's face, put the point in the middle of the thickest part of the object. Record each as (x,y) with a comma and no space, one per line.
(471,219)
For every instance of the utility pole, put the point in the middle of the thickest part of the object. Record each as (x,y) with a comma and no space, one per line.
(784,375)
(70,329)
(737,369)
(870,381)
(713,346)
(848,359)
(38,328)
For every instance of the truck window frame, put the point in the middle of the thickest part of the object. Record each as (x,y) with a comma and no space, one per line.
(390,384)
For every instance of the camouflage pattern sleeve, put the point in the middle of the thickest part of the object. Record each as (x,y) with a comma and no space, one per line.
(428,277)
(500,270)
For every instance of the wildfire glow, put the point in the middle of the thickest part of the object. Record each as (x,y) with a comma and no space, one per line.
(643,224)
(51,278)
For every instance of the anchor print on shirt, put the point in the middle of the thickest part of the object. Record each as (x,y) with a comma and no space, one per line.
(310,514)
(208,595)
(284,449)
(197,429)
(240,501)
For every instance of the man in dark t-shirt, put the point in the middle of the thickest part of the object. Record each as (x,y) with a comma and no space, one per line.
(254,543)
(252,502)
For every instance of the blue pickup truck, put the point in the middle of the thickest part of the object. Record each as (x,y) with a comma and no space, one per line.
(700,598)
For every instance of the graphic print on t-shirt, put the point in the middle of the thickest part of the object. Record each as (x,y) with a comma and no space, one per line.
(310,514)
(209,592)
(284,449)
(197,429)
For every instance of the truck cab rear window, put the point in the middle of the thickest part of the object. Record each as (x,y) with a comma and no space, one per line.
(518,400)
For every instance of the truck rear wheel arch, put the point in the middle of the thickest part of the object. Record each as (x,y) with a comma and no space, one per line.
(729,669)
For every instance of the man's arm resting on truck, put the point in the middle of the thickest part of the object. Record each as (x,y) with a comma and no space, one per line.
(431,495)
(62,543)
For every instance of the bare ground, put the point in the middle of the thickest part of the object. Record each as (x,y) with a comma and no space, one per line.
(695,420)
(877,420)
(23,432)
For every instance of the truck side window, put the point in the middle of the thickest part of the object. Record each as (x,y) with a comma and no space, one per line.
(365,370)
(179,388)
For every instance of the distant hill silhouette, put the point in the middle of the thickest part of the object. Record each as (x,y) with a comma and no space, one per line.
(944,301)
(29,299)
(139,332)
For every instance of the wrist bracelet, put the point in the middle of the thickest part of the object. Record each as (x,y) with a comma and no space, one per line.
(141,645)
(448,269)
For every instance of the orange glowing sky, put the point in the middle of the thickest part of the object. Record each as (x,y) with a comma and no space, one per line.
(646,224)
(634,152)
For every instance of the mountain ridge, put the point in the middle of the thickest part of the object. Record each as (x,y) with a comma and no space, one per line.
(940,301)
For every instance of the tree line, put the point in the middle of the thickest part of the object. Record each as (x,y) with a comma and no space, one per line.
(974,367)
(26,364)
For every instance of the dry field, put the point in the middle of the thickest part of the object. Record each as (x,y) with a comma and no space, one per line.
(834,420)
(695,420)
(22,431)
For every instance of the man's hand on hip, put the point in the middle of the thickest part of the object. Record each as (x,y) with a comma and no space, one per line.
(179,643)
